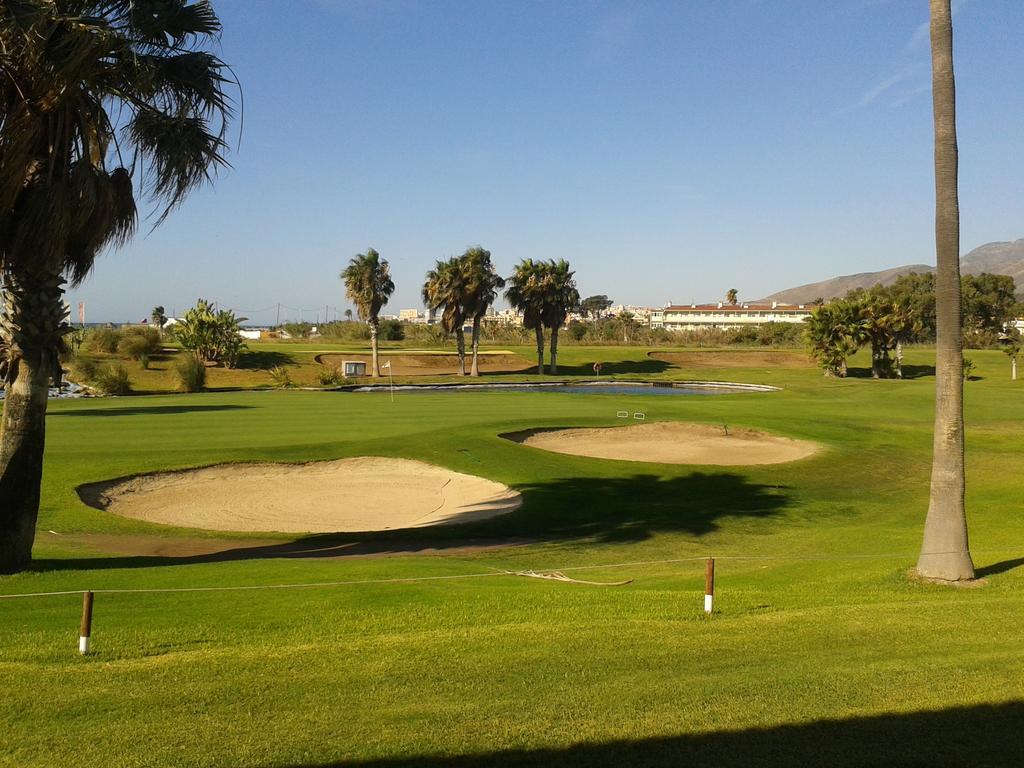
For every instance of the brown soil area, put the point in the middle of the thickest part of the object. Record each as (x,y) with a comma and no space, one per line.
(773,358)
(349,495)
(433,365)
(670,443)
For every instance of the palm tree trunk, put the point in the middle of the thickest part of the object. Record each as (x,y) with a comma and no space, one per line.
(31,327)
(460,343)
(539,330)
(944,551)
(475,370)
(553,365)
(373,347)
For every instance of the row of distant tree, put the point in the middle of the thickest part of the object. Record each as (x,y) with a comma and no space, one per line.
(885,318)
(463,288)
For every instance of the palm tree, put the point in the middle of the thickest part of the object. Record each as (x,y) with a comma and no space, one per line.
(944,551)
(368,286)
(348,315)
(92,90)
(732,297)
(446,287)
(482,286)
(525,292)
(560,297)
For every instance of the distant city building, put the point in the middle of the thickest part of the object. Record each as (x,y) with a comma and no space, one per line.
(426,317)
(695,317)
(507,317)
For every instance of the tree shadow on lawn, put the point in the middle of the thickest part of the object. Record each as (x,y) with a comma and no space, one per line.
(645,367)
(264,360)
(605,510)
(909,372)
(985,735)
(997,568)
(151,410)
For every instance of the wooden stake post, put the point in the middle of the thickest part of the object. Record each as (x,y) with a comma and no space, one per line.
(86,630)
(709,586)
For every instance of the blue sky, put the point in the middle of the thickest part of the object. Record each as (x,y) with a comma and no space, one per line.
(669,150)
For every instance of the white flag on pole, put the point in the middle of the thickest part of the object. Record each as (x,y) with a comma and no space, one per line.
(387,364)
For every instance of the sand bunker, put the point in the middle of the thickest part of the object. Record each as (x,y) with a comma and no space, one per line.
(670,443)
(361,494)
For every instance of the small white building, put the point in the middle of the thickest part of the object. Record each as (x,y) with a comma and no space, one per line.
(721,316)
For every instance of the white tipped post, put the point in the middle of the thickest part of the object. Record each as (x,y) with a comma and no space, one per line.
(86,630)
(709,586)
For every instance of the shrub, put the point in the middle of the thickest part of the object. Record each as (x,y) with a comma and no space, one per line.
(213,336)
(191,374)
(968,368)
(139,344)
(348,330)
(329,375)
(83,370)
(112,379)
(102,340)
(282,379)
(297,330)
(390,330)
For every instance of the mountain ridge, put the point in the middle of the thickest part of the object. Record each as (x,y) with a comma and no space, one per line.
(999,257)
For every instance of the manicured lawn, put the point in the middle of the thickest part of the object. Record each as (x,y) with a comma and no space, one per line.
(820,639)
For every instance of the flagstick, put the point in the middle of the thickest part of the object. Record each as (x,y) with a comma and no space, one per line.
(391,380)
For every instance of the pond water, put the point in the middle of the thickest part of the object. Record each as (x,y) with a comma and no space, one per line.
(68,392)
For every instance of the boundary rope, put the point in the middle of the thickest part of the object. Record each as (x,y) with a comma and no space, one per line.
(492,573)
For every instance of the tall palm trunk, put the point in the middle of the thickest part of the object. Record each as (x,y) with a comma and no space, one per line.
(31,326)
(475,370)
(374,327)
(460,345)
(553,365)
(539,330)
(944,551)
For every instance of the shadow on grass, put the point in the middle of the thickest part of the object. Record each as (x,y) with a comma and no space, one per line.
(987,735)
(997,568)
(625,509)
(264,360)
(151,410)
(909,372)
(647,367)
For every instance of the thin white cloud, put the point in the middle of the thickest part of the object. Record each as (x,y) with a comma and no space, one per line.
(920,37)
(880,88)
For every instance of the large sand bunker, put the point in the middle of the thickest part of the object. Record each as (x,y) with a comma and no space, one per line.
(670,443)
(361,494)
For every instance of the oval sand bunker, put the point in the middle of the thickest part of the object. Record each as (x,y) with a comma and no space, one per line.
(349,495)
(670,443)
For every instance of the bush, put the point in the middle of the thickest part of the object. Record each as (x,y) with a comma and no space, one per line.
(112,379)
(297,330)
(330,375)
(213,336)
(390,330)
(282,379)
(191,374)
(102,340)
(139,344)
(348,330)
(968,368)
(83,370)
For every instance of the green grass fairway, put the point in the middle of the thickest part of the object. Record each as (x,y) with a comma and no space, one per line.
(822,651)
